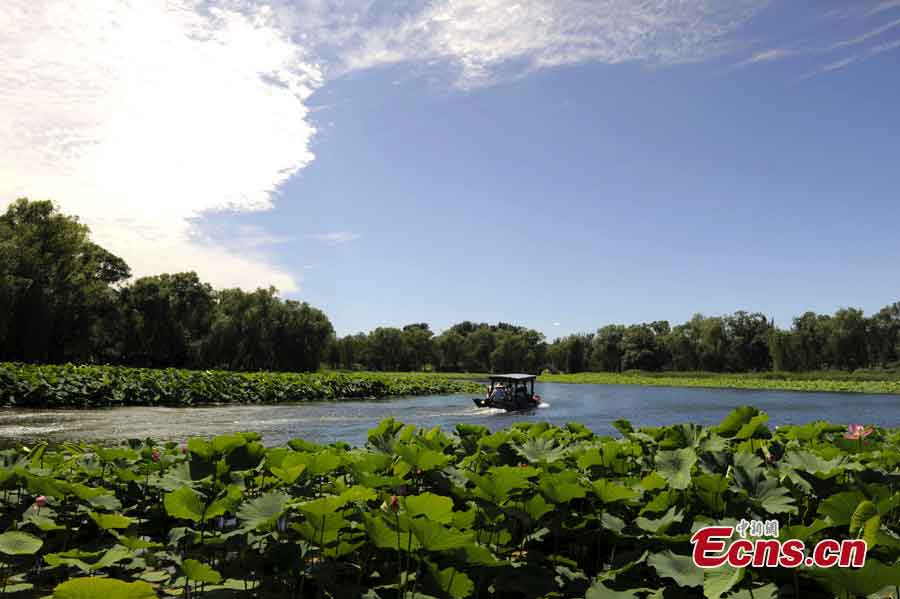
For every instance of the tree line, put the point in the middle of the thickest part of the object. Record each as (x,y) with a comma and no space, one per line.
(64,298)
(741,342)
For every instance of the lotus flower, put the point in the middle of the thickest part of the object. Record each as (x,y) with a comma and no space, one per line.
(39,502)
(154,455)
(856,432)
(184,449)
(394,504)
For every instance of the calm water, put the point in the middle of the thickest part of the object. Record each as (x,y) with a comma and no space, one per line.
(597,406)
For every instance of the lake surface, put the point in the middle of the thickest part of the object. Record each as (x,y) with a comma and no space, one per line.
(597,406)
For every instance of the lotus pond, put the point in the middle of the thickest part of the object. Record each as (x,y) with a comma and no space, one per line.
(532,510)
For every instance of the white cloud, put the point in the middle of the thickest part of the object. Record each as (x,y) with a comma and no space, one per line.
(495,39)
(556,324)
(141,116)
(336,238)
(767,56)
(868,35)
(883,6)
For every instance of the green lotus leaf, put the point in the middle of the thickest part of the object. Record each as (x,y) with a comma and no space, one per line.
(358,494)
(659,525)
(43,523)
(499,482)
(675,466)
(263,512)
(599,590)
(858,582)
(773,498)
(97,559)
(803,533)
(436,537)
(111,521)
(19,543)
(200,572)
(537,507)
(710,488)
(736,420)
(451,581)
(839,508)
(434,507)
(289,474)
(107,588)
(184,503)
(653,482)
(679,568)
(611,492)
(225,444)
(321,507)
(561,487)
(388,536)
(865,523)
(422,458)
(806,461)
(320,463)
(718,581)
(753,428)
(200,448)
(19,587)
(540,450)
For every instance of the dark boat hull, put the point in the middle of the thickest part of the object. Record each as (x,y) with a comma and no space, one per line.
(521,406)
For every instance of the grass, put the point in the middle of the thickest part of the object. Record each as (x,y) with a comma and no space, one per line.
(827,381)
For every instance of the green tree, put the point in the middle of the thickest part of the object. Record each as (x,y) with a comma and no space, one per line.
(167,317)
(451,349)
(607,349)
(418,346)
(478,349)
(57,288)
(748,336)
(510,353)
(387,348)
(848,340)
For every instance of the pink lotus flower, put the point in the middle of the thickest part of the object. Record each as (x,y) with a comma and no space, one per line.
(155,455)
(39,502)
(394,504)
(856,432)
(184,449)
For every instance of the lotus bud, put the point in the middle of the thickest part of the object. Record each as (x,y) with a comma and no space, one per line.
(394,504)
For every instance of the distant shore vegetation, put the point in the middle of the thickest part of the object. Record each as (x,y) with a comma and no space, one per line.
(65,299)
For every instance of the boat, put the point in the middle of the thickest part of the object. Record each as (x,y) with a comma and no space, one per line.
(510,392)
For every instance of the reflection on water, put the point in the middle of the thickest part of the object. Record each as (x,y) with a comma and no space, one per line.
(597,406)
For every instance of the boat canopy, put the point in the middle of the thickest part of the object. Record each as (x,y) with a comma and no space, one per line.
(513,378)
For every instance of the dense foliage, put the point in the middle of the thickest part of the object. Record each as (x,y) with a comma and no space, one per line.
(26,385)
(532,511)
(858,382)
(741,342)
(464,347)
(63,298)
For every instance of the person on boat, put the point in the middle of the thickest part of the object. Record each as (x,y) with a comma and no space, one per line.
(499,393)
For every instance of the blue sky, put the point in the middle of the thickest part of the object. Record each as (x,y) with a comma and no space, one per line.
(560,166)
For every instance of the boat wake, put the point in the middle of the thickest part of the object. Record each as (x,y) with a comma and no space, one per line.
(543,405)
